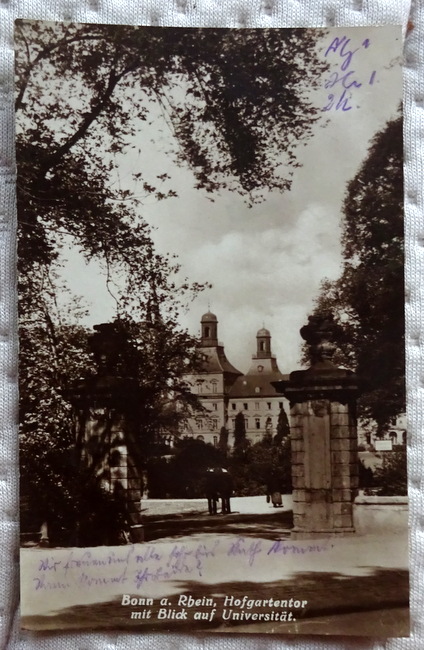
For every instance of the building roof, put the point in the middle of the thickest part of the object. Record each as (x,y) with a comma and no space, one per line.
(259,385)
(263,332)
(257,381)
(208,317)
(216,361)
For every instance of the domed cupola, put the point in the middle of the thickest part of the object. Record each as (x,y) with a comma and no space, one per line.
(209,323)
(263,344)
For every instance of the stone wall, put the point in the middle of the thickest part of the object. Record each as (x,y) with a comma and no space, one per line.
(380,514)
(324,466)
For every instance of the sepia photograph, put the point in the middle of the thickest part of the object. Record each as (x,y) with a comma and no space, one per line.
(211,327)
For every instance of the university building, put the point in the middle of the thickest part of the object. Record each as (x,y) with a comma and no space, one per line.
(224,391)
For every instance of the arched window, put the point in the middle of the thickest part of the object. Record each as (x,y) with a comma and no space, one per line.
(207,332)
(262,346)
(214,385)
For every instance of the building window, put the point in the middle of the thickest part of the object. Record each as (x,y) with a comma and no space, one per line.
(246,422)
(257,389)
(234,406)
(199,423)
(214,425)
(214,386)
(215,441)
(245,406)
(257,423)
(280,404)
(262,346)
(207,332)
(256,406)
(215,406)
(269,405)
(199,386)
(201,438)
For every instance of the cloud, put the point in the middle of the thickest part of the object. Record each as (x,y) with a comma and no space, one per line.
(270,276)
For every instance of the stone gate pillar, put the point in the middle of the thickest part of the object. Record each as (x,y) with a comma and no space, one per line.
(106,407)
(323,437)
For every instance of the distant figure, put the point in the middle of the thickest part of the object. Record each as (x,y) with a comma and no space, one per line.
(274,491)
(211,490)
(225,489)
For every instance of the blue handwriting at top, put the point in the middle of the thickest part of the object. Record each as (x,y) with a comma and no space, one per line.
(344,79)
(340,46)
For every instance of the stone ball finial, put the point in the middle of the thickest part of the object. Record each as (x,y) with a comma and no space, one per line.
(106,344)
(320,334)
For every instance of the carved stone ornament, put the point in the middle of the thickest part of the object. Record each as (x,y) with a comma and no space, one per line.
(320,334)
(106,345)
(320,407)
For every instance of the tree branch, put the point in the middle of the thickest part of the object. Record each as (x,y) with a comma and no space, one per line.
(44,54)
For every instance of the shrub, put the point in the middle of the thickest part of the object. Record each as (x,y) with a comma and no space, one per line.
(253,466)
(183,475)
(391,479)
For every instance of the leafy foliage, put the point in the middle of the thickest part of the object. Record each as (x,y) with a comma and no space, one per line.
(253,466)
(183,475)
(236,124)
(223,440)
(239,430)
(365,475)
(392,477)
(283,427)
(49,466)
(368,298)
(158,355)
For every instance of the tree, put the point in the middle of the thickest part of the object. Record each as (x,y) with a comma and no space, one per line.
(159,356)
(223,440)
(283,427)
(53,354)
(253,468)
(184,474)
(368,298)
(82,90)
(392,478)
(239,431)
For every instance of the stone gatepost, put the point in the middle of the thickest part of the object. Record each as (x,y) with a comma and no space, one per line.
(323,437)
(107,406)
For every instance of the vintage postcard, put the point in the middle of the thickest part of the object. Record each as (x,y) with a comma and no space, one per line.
(212,398)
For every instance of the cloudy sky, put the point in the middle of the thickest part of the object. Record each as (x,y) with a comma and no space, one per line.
(265,263)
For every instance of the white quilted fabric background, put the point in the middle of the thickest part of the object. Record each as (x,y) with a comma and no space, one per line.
(230,13)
